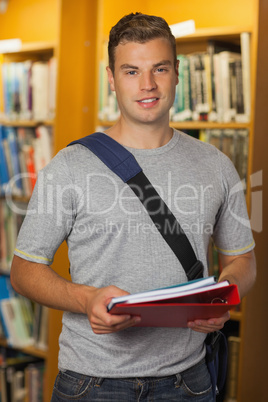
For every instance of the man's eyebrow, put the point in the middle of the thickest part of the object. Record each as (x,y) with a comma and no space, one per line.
(128,66)
(160,63)
(163,63)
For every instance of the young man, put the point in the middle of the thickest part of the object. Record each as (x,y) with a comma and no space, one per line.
(114,248)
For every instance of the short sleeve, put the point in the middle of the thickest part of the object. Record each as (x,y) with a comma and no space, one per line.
(50,213)
(232,232)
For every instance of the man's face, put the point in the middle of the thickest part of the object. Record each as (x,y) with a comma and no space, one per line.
(144,80)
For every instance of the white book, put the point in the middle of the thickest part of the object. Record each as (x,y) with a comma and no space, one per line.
(40,90)
(246,71)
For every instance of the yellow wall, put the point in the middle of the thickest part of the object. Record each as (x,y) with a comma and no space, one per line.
(30,20)
(112,11)
(206,13)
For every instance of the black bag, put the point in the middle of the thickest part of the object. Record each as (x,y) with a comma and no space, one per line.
(217,358)
(123,163)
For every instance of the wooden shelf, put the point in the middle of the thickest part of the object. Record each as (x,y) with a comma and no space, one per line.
(31,350)
(223,33)
(200,125)
(35,47)
(194,125)
(25,123)
(15,198)
(236,315)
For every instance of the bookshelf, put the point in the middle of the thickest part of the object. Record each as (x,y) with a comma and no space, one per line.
(28,53)
(29,350)
(74,50)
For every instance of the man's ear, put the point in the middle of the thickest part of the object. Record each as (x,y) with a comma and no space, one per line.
(177,70)
(110,78)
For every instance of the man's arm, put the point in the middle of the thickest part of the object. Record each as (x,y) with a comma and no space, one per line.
(239,270)
(41,284)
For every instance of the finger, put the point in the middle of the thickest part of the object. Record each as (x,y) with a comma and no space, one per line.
(205,327)
(104,329)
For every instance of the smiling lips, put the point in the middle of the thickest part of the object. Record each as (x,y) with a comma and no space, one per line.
(149,102)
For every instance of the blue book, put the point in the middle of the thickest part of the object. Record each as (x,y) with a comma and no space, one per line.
(6,292)
(14,155)
(4,175)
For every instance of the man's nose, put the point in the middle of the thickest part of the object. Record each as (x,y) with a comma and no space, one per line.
(148,82)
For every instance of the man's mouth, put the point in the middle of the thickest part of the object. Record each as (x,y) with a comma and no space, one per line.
(148,100)
(148,103)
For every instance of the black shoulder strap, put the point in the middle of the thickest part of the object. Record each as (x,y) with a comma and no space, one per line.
(124,164)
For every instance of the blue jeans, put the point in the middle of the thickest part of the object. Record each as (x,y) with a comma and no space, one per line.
(193,384)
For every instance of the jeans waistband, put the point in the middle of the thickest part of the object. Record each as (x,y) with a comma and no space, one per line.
(78,375)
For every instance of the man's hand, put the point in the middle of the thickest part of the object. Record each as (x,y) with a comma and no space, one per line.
(100,320)
(211,325)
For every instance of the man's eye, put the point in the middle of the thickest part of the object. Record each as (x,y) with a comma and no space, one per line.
(133,72)
(161,69)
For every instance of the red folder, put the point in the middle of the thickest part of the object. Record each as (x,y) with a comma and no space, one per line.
(178,311)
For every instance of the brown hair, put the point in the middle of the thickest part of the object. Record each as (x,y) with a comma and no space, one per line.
(139,28)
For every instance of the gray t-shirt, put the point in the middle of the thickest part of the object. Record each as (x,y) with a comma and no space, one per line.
(112,241)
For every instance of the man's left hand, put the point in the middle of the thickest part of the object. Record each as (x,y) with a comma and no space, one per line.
(211,325)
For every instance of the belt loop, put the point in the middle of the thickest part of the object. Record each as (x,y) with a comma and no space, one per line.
(178,380)
(98,381)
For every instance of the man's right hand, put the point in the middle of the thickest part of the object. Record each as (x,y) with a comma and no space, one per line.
(101,321)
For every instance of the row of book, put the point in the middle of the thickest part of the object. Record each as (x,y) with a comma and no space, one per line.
(22,377)
(233,143)
(213,85)
(29,90)
(231,387)
(22,322)
(23,152)
(11,218)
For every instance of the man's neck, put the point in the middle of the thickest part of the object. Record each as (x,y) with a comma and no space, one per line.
(142,137)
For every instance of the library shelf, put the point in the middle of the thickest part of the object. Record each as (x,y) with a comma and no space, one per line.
(30,350)
(222,33)
(193,125)
(26,123)
(34,48)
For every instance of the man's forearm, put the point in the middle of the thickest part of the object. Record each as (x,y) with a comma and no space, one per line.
(240,270)
(41,284)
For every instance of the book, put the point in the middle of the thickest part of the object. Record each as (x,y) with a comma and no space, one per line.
(246,71)
(182,110)
(34,382)
(40,326)
(12,377)
(227,58)
(28,89)
(214,47)
(11,218)
(17,333)
(167,292)
(204,303)
(240,116)
(232,370)
(4,174)
(40,90)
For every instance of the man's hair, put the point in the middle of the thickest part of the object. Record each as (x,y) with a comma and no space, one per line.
(139,28)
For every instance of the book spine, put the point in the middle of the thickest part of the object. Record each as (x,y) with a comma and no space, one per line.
(246,71)
(232,370)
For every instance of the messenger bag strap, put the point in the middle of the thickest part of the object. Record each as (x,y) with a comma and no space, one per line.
(123,163)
